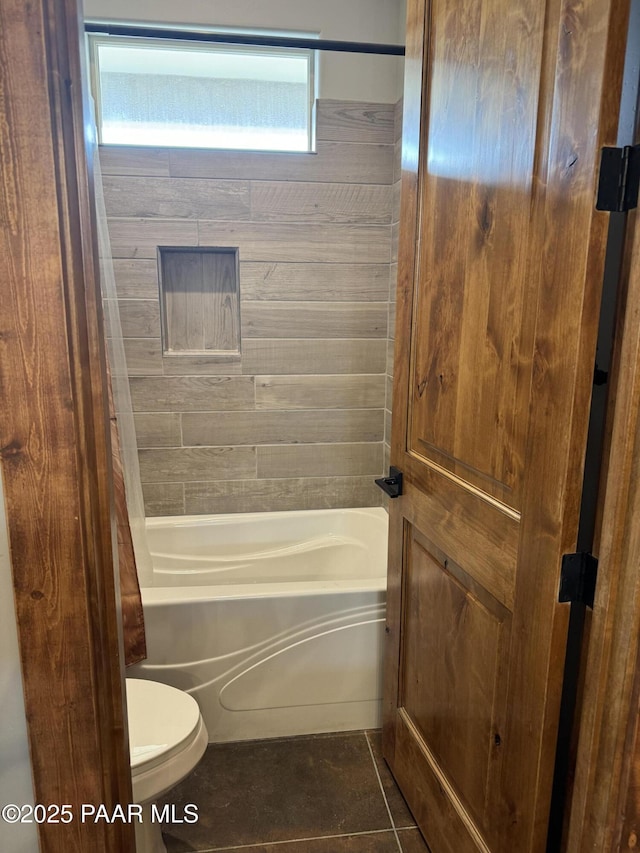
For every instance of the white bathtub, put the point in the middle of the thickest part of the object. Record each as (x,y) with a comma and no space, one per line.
(273,621)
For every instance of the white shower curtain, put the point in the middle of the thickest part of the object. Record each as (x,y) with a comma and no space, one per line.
(134,559)
(120,388)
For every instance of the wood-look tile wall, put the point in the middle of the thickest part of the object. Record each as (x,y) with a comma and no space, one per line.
(300,420)
(393,276)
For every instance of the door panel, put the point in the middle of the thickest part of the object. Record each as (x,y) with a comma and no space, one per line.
(473,531)
(500,270)
(472,355)
(454,640)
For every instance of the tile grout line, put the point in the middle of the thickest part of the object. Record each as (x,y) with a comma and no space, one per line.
(384,796)
(295,841)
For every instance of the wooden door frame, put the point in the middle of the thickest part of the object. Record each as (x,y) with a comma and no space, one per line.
(54,445)
(605,809)
(55,462)
(605,805)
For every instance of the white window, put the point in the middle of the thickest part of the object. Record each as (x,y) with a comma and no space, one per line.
(202,95)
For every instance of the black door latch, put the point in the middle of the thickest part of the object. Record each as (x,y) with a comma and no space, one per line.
(392,484)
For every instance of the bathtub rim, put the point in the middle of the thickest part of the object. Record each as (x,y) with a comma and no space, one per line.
(239,517)
(157,594)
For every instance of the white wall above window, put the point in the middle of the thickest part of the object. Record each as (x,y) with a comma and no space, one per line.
(343,76)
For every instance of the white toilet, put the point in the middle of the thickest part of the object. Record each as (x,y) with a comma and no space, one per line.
(167,738)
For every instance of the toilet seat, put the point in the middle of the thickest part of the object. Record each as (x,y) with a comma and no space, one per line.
(167,737)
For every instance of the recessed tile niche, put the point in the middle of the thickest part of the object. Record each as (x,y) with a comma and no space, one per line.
(200,302)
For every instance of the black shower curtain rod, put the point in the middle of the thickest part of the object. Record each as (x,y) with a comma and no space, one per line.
(233,38)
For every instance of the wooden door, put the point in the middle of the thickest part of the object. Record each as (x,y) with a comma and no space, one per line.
(507,103)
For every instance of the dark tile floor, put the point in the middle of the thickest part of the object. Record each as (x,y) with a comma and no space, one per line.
(328,793)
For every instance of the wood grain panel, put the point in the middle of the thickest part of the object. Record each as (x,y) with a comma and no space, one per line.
(283,427)
(136,279)
(605,809)
(475,534)
(326,392)
(355,121)
(314,282)
(337,356)
(429,796)
(183,292)
(159,430)
(284,242)
(139,318)
(163,499)
(628,833)
(335,162)
(54,434)
(175,198)
(191,393)
(134,160)
(280,494)
(314,319)
(221,314)
(485,324)
(280,264)
(319,460)
(500,269)
(143,355)
(185,464)
(200,301)
(410,147)
(291,201)
(218,364)
(140,238)
(450,672)
(571,257)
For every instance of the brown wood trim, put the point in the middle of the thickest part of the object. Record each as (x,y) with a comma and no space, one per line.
(608,752)
(414,91)
(626,836)
(54,442)
(606,763)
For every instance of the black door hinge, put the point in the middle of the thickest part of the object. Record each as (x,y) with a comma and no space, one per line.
(392,484)
(619,180)
(578,578)
(600,376)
